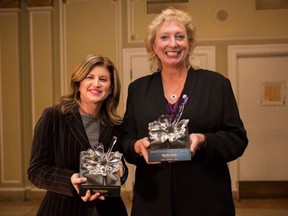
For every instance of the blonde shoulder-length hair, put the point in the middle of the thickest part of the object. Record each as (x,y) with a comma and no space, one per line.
(108,112)
(167,15)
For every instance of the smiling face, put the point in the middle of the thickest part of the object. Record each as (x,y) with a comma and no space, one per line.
(95,87)
(171,44)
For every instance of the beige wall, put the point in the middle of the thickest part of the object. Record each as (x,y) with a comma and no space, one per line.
(40,47)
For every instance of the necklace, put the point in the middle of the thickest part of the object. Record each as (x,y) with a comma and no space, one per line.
(173,94)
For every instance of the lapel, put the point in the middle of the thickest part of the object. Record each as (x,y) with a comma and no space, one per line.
(189,88)
(76,127)
(190,83)
(158,94)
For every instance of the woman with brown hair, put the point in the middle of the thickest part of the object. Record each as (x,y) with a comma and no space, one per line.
(81,120)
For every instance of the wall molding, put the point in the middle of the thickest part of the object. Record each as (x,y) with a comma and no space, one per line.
(233,38)
(118,36)
(133,38)
(208,56)
(63,45)
(10,72)
(130,23)
(35,53)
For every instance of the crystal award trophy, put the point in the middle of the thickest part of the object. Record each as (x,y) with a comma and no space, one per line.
(101,170)
(169,138)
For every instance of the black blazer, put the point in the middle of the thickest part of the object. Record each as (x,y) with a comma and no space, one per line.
(202,186)
(58,140)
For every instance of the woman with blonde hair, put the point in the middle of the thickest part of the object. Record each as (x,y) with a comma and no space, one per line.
(200,186)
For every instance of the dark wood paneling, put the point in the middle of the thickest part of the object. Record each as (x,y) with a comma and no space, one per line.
(263,189)
(39,3)
(9,3)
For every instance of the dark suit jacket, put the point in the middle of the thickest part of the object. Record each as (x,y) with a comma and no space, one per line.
(58,140)
(202,186)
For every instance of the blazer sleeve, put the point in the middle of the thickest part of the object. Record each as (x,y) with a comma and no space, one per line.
(42,171)
(130,130)
(229,142)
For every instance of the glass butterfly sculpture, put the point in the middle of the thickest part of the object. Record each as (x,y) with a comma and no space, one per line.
(169,133)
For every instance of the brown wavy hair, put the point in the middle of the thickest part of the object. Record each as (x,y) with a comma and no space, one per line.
(108,113)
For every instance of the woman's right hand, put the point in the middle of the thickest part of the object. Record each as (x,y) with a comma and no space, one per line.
(76,180)
(141,146)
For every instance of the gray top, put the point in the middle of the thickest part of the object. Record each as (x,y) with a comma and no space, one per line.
(92,127)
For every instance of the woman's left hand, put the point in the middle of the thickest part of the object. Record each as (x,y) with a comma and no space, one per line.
(197,141)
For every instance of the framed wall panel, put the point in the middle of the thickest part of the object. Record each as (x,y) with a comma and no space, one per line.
(10,87)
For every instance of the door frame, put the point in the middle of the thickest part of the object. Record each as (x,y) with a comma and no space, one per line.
(234,53)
